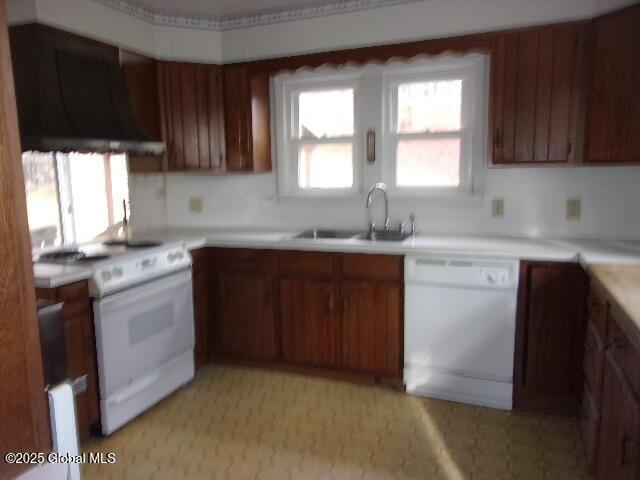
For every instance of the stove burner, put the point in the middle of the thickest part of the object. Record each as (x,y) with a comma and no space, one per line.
(92,258)
(130,244)
(62,255)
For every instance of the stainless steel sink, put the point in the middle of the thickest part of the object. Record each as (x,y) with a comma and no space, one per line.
(386,236)
(318,233)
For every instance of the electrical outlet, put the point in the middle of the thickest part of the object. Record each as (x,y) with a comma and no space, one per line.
(497,208)
(574,209)
(195,204)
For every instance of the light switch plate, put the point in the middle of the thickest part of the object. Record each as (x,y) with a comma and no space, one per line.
(497,208)
(574,209)
(195,204)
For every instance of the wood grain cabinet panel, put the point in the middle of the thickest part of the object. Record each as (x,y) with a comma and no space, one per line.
(247,118)
(536,97)
(613,112)
(619,427)
(310,319)
(371,328)
(191,104)
(590,426)
(81,349)
(549,337)
(244,325)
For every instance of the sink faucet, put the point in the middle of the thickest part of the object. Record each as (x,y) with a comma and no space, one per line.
(382,188)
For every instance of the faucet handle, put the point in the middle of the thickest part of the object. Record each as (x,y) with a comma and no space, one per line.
(401,227)
(372,226)
(412,217)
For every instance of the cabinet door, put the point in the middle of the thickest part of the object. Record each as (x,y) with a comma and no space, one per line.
(613,115)
(310,322)
(549,337)
(371,330)
(244,319)
(81,364)
(191,99)
(619,428)
(536,85)
(247,118)
(237,117)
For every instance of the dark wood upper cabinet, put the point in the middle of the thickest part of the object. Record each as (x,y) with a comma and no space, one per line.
(536,94)
(549,337)
(192,116)
(246,118)
(613,107)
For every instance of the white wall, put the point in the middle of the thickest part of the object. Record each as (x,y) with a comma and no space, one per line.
(397,23)
(99,22)
(535,202)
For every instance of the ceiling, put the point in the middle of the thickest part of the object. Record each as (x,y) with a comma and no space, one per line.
(226,9)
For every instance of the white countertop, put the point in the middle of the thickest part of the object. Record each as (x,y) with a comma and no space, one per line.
(585,252)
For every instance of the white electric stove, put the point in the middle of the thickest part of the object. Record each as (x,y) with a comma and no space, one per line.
(143,315)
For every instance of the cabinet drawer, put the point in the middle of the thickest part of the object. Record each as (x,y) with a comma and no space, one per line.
(597,310)
(593,362)
(624,353)
(590,426)
(315,264)
(371,267)
(242,260)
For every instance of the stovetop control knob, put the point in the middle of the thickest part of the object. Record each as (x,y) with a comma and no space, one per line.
(179,255)
(106,276)
(117,272)
(171,257)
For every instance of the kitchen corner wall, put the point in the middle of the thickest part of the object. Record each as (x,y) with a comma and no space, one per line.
(535,204)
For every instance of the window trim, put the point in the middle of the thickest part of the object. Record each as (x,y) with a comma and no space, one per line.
(471,70)
(287,88)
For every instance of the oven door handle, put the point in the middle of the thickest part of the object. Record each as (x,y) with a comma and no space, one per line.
(139,294)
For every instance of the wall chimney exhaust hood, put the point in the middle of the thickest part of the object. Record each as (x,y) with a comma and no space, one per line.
(72,95)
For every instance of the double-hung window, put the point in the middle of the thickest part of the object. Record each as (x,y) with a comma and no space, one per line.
(318,137)
(425,120)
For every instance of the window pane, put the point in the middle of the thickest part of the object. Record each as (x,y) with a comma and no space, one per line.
(325,166)
(428,163)
(42,199)
(429,106)
(325,114)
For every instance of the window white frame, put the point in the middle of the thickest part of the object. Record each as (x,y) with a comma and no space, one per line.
(468,69)
(374,110)
(287,90)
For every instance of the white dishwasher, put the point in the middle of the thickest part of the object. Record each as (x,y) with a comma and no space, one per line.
(460,329)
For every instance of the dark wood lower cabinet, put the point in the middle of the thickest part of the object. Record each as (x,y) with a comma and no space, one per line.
(620,427)
(310,320)
(611,402)
(81,350)
(549,337)
(244,316)
(316,310)
(372,327)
